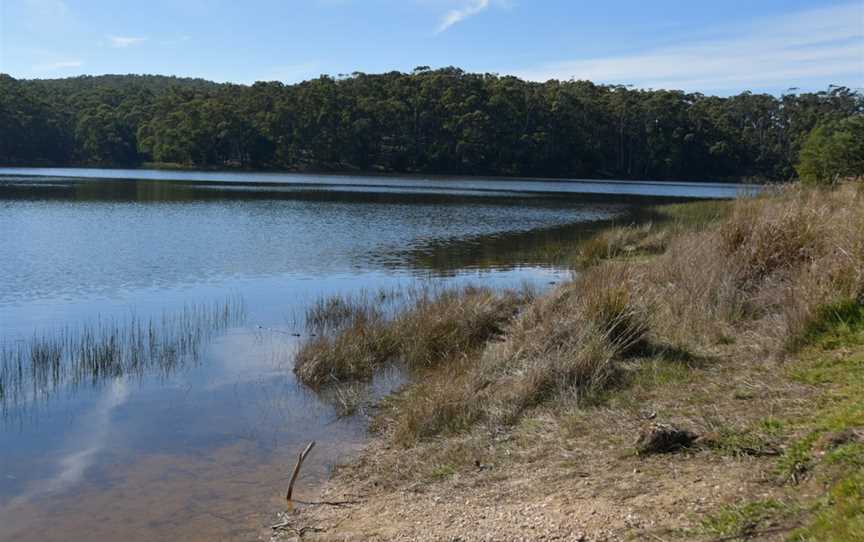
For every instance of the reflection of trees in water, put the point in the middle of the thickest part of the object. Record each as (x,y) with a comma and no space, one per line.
(550,246)
(35,369)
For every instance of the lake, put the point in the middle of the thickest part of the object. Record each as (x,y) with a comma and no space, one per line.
(208,274)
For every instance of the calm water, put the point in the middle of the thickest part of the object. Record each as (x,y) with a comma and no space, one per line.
(202,449)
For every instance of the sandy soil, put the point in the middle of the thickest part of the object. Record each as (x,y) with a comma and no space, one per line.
(587,485)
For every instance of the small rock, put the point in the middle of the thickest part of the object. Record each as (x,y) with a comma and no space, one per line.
(659,438)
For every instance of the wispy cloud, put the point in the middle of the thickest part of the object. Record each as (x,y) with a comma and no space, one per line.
(826,43)
(73,464)
(60,65)
(454,16)
(122,42)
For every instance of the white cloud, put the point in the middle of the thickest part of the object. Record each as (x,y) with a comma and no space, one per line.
(121,42)
(60,65)
(815,44)
(470,7)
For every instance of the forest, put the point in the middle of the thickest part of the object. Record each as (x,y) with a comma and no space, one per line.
(442,121)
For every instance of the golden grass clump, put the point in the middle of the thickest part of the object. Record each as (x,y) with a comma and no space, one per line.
(763,236)
(355,338)
(353,353)
(443,402)
(453,322)
(565,342)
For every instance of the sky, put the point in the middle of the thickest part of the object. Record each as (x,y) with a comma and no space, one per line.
(718,47)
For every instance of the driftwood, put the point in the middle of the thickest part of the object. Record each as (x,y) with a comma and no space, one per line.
(296,472)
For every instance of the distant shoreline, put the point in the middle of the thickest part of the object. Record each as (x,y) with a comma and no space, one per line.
(164,166)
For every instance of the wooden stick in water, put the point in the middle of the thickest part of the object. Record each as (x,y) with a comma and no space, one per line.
(296,472)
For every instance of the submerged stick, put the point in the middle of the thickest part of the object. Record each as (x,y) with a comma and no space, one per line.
(296,472)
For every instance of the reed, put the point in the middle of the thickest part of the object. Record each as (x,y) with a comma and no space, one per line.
(35,368)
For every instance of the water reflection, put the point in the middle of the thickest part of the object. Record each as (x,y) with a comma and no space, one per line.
(94,430)
(33,370)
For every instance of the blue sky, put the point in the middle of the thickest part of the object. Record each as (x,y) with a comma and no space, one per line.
(716,47)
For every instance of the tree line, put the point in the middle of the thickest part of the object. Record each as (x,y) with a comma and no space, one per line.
(443,121)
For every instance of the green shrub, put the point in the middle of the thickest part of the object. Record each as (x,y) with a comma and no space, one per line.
(833,151)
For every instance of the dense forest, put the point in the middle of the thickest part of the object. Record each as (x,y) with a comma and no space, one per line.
(428,121)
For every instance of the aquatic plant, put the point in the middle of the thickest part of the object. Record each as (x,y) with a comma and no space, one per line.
(34,369)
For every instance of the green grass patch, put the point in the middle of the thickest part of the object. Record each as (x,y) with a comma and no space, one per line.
(797,460)
(841,517)
(744,520)
(834,326)
(763,439)
(649,233)
(695,214)
(846,455)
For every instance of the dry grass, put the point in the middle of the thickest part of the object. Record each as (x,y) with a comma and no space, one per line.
(762,275)
(565,343)
(353,353)
(652,236)
(355,337)
(452,322)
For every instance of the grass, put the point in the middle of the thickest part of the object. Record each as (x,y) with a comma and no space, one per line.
(831,450)
(356,338)
(763,440)
(832,325)
(841,519)
(743,521)
(37,367)
(649,235)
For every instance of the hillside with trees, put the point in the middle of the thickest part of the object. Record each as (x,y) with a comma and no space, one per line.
(442,121)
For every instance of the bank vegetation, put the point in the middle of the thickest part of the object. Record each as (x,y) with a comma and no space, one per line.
(740,323)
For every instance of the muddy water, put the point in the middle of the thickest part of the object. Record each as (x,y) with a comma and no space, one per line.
(200,448)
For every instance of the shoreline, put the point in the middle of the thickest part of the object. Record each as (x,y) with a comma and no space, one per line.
(752,394)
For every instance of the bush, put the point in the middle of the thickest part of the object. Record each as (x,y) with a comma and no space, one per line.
(833,151)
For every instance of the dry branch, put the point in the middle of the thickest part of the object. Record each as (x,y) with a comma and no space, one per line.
(296,472)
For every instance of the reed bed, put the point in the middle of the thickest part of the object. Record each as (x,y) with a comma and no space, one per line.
(36,368)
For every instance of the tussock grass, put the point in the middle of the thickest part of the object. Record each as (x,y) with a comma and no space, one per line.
(354,353)
(567,342)
(769,266)
(433,326)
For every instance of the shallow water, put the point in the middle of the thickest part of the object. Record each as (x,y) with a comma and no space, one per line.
(202,448)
